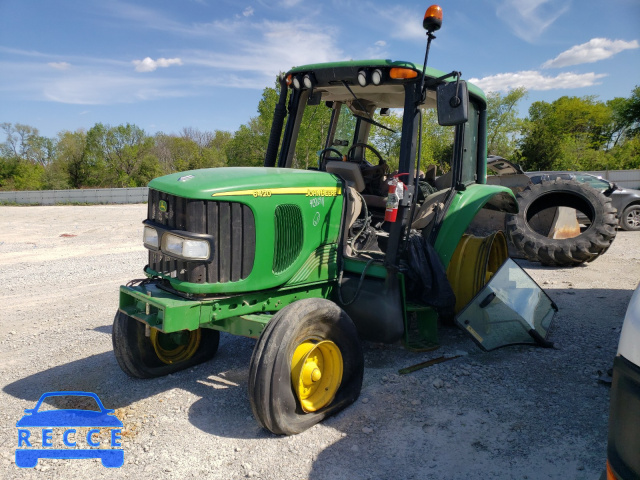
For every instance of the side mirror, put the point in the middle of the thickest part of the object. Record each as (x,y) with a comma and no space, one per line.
(453,103)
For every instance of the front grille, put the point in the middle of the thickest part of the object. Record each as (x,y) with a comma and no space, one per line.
(288,237)
(231,224)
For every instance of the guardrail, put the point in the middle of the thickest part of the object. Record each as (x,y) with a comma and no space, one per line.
(89,195)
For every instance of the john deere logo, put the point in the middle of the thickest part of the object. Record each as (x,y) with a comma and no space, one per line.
(162,206)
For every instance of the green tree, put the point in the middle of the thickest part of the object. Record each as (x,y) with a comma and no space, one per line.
(176,154)
(248,146)
(626,112)
(25,143)
(437,142)
(539,144)
(69,169)
(120,156)
(565,133)
(23,157)
(312,135)
(387,141)
(210,147)
(503,123)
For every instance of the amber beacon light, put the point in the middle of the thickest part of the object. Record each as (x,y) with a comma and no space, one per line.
(432,18)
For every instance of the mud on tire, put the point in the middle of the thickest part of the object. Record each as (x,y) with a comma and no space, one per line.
(586,247)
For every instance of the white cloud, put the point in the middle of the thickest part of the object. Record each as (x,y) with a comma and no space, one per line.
(534,80)
(149,65)
(594,50)
(97,84)
(109,88)
(290,3)
(59,65)
(247,12)
(528,19)
(401,23)
(279,46)
(380,43)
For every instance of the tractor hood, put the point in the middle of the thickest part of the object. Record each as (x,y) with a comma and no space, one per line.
(247,181)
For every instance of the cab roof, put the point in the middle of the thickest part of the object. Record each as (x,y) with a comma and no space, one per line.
(356,65)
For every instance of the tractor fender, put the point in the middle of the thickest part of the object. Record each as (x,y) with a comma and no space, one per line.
(464,207)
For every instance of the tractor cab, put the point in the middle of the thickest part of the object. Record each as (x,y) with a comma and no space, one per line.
(348,103)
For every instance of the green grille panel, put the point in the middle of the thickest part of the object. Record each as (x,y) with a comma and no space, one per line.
(288,237)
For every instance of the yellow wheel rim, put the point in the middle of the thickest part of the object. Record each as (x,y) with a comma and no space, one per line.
(175,347)
(316,373)
(474,262)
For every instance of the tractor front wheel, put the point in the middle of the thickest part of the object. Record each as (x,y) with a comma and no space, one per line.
(159,354)
(307,365)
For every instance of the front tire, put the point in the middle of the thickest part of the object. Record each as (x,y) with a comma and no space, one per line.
(160,353)
(307,365)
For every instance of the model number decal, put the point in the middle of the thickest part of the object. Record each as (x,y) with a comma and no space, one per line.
(262,193)
(316,202)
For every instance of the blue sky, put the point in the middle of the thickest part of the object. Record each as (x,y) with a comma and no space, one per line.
(169,64)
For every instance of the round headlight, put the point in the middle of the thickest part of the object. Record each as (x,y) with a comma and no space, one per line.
(376,76)
(307,81)
(296,83)
(362,78)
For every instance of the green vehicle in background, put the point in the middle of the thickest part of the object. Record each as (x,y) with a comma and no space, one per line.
(309,262)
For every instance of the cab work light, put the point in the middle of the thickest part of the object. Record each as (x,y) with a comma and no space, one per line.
(376,76)
(398,73)
(362,78)
(308,81)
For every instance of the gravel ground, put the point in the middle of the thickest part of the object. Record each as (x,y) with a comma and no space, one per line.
(519,412)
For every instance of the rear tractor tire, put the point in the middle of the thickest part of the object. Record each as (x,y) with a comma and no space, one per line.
(159,354)
(307,365)
(564,252)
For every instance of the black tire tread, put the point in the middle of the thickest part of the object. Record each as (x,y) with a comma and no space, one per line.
(271,395)
(136,357)
(586,247)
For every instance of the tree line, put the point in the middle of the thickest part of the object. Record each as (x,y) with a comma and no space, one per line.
(570,133)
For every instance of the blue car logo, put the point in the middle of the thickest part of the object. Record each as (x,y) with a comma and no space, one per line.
(69,419)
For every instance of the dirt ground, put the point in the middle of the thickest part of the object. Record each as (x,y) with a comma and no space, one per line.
(519,412)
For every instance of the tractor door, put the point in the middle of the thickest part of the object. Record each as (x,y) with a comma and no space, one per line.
(510,309)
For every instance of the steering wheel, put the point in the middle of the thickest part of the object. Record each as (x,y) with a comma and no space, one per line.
(373,175)
(381,161)
(321,160)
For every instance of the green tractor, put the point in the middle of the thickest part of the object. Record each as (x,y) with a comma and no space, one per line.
(309,262)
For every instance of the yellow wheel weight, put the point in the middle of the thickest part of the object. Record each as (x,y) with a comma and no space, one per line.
(316,373)
(170,349)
